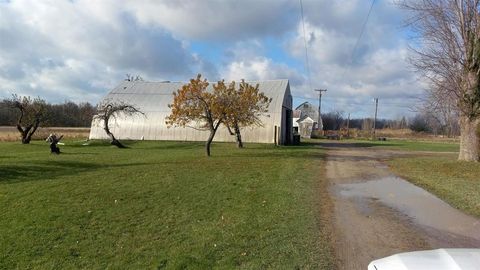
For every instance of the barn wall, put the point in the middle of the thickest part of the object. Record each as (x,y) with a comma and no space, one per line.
(153,100)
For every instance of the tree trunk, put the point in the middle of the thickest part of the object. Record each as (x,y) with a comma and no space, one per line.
(469,145)
(209,142)
(113,140)
(23,134)
(238,136)
(32,130)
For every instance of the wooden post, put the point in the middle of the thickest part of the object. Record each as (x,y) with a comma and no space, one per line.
(275,135)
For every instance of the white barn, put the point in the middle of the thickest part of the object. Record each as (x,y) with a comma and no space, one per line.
(153,98)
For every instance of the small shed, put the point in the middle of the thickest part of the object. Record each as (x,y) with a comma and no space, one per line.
(306,125)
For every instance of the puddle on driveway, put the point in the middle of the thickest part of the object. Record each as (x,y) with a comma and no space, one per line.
(423,207)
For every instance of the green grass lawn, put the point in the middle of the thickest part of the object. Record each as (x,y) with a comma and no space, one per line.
(162,205)
(458,183)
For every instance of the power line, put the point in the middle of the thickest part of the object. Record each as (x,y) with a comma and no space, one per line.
(395,104)
(361,32)
(307,64)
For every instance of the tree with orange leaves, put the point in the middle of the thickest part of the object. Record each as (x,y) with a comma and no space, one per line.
(248,104)
(193,104)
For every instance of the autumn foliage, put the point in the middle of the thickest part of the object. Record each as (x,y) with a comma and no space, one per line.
(248,105)
(195,107)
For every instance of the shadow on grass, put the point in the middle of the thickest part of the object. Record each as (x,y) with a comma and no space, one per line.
(302,151)
(105,143)
(179,145)
(47,170)
(285,155)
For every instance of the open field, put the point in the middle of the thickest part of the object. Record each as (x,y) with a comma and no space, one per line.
(458,183)
(10,134)
(163,205)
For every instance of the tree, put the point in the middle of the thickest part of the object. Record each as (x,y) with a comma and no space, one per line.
(419,123)
(449,56)
(248,104)
(193,104)
(333,120)
(112,109)
(32,112)
(131,78)
(441,113)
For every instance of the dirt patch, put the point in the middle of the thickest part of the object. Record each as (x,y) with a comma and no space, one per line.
(372,217)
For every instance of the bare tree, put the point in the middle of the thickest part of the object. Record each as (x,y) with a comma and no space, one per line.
(32,112)
(131,78)
(448,54)
(333,120)
(109,109)
(442,111)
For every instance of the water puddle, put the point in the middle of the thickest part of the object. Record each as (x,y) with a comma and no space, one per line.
(424,208)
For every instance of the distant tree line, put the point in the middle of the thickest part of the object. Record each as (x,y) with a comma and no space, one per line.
(427,120)
(67,114)
(336,120)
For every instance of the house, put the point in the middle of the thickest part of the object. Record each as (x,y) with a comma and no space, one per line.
(307,119)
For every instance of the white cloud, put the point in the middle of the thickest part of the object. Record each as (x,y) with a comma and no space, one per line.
(217,19)
(80,49)
(76,48)
(377,68)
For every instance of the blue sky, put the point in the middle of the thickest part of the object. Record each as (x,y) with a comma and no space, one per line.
(78,50)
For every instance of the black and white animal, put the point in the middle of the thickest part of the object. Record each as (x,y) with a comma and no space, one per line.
(53,140)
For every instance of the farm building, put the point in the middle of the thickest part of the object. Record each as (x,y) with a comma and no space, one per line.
(307,119)
(153,98)
(305,125)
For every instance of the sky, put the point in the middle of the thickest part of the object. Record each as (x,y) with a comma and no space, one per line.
(78,50)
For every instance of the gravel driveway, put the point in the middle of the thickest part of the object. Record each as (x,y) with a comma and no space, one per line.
(376,214)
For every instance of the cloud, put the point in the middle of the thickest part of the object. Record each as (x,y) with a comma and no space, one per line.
(78,50)
(65,47)
(377,67)
(246,60)
(217,19)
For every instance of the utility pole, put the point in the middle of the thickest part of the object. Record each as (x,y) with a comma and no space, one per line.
(348,126)
(375,119)
(320,106)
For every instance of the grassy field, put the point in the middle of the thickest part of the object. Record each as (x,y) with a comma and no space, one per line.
(10,134)
(458,183)
(162,205)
